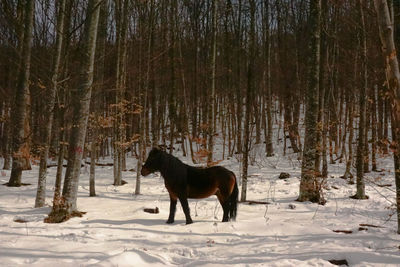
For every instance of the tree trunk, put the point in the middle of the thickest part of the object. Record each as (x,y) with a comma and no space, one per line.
(142,152)
(172,102)
(18,115)
(96,95)
(92,176)
(268,136)
(373,128)
(121,15)
(249,99)
(349,161)
(6,138)
(289,124)
(361,126)
(386,23)
(211,111)
(310,185)
(49,109)
(239,100)
(366,130)
(67,205)
(321,93)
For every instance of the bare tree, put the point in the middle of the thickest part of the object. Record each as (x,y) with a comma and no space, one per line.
(211,111)
(362,125)
(386,23)
(310,185)
(51,97)
(18,114)
(66,207)
(249,99)
(268,84)
(121,14)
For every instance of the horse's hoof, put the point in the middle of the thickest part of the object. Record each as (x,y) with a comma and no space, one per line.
(189,222)
(169,222)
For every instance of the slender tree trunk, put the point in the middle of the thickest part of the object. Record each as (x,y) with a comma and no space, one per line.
(211,111)
(269,144)
(344,130)
(289,124)
(349,161)
(18,115)
(325,126)
(61,105)
(142,140)
(366,131)
(385,22)
(361,126)
(96,95)
(139,166)
(49,109)
(310,185)
(249,99)
(121,10)
(321,93)
(386,116)
(239,100)
(373,128)
(61,152)
(172,101)
(185,132)
(6,138)
(152,86)
(351,102)
(67,205)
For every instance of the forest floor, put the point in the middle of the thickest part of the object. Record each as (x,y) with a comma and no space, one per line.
(115,231)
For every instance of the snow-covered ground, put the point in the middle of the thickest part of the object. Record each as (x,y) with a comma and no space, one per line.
(116,232)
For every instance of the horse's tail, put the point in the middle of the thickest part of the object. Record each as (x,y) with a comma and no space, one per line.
(233,200)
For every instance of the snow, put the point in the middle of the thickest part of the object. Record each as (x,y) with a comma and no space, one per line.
(116,232)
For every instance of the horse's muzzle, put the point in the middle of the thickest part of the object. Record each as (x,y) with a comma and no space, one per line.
(145,171)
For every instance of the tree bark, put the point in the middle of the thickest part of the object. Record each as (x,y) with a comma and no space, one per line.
(18,115)
(268,100)
(211,111)
(49,109)
(321,93)
(6,138)
(80,104)
(249,99)
(385,22)
(373,128)
(310,185)
(121,9)
(239,99)
(349,160)
(362,102)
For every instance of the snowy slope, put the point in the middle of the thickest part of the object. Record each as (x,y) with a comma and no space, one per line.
(116,232)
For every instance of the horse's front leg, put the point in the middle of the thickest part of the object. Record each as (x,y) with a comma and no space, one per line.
(186,210)
(172,209)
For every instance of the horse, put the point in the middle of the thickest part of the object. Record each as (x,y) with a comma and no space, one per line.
(183,181)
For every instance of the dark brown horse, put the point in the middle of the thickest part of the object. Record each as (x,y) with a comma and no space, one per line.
(184,181)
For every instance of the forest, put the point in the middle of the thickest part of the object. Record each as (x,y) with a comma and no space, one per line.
(212,80)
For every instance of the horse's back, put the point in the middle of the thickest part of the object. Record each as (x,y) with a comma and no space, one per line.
(217,173)
(203,182)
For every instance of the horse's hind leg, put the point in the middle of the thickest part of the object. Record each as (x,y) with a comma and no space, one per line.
(225,206)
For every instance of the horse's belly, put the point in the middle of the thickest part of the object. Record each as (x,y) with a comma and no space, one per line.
(195,193)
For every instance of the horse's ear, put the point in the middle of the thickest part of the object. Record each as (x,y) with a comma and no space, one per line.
(160,148)
(156,149)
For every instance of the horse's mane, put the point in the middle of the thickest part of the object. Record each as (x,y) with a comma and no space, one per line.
(172,166)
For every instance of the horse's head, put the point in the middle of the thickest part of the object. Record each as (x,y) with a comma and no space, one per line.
(152,163)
